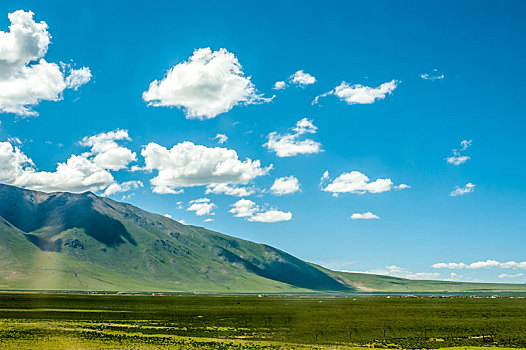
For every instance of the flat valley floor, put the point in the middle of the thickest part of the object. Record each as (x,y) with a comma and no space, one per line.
(93,321)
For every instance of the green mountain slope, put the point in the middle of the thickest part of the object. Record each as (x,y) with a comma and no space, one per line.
(64,241)
(84,242)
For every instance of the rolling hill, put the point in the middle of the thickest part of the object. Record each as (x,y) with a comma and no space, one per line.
(82,242)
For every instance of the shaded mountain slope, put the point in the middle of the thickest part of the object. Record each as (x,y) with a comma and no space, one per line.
(99,244)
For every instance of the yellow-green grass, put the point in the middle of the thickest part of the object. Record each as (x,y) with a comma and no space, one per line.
(78,335)
(31,320)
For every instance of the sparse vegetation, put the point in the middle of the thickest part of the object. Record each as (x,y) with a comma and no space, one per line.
(255,322)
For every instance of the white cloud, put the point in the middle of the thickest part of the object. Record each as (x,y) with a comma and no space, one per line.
(356,182)
(107,153)
(465,144)
(188,165)
(457,157)
(115,158)
(238,191)
(271,216)
(285,185)
(402,187)
(105,140)
(201,206)
(454,277)
(122,187)
(304,126)
(457,160)
(26,78)
(78,77)
(364,216)
(254,213)
(360,94)
(14,140)
(324,178)
(208,84)
(221,138)
(166,190)
(243,208)
(460,191)
(434,75)
(289,145)
(505,275)
(168,216)
(279,85)
(208,220)
(127,196)
(302,79)
(481,265)
(13,163)
(449,266)
(79,173)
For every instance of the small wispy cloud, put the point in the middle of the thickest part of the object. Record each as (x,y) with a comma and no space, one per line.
(364,216)
(221,138)
(460,191)
(245,208)
(457,158)
(201,206)
(302,79)
(279,85)
(290,144)
(360,94)
(230,190)
(433,75)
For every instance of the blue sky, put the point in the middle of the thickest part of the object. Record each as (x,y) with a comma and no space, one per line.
(96,111)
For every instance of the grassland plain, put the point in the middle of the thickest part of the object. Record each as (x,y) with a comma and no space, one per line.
(70,321)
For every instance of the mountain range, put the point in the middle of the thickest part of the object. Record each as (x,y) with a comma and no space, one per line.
(83,242)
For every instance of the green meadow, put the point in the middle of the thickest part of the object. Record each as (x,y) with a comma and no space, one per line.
(75,321)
